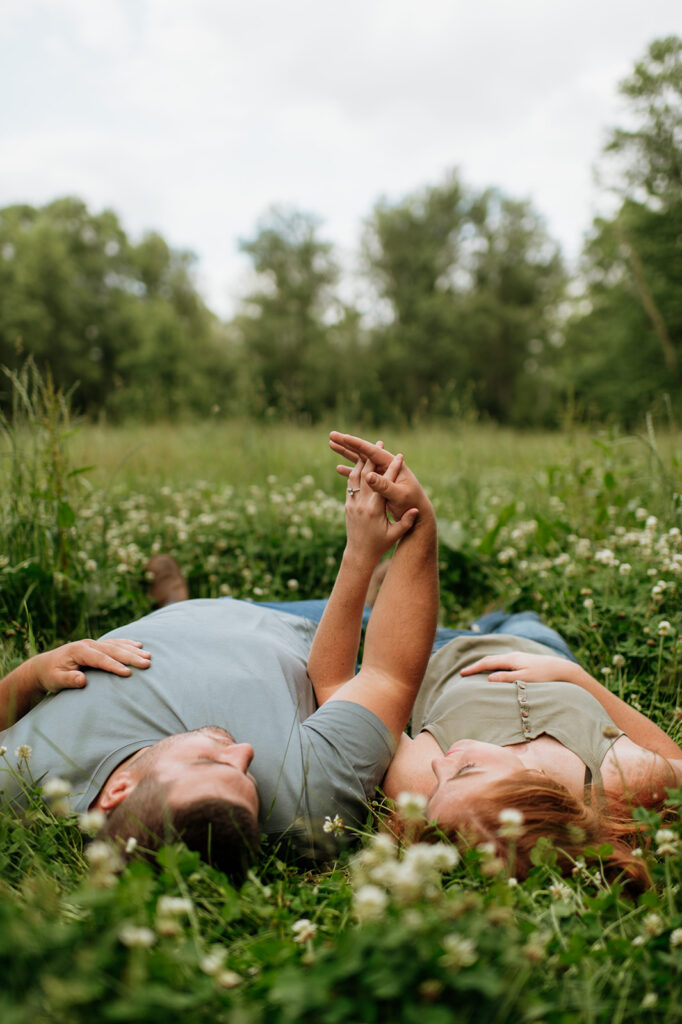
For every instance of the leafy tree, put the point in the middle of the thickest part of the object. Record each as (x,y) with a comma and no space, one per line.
(284,326)
(627,349)
(124,320)
(471,282)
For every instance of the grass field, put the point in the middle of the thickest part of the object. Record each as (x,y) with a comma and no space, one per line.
(584,528)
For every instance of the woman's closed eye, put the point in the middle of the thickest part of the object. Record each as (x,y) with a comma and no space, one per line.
(464,768)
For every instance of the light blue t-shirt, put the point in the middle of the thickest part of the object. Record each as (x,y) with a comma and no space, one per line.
(215,662)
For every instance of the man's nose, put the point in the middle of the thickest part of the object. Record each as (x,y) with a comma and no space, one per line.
(241,755)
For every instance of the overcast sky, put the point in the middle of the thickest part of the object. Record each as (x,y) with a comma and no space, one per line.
(191,117)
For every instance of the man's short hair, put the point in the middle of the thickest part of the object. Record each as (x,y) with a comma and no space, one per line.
(225,835)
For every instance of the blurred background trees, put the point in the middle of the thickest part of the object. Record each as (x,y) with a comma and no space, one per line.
(467,307)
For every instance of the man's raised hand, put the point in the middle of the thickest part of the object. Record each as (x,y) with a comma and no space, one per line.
(401,494)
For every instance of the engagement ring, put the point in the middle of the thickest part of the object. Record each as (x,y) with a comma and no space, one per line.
(352,490)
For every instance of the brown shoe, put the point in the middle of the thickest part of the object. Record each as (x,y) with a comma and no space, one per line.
(168,584)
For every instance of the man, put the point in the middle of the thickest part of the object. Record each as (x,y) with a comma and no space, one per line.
(152,751)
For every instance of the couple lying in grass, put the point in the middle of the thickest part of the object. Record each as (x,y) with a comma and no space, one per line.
(230,719)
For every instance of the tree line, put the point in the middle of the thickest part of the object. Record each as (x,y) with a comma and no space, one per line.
(467,305)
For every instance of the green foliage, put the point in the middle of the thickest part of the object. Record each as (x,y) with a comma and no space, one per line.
(589,534)
(626,350)
(472,283)
(123,320)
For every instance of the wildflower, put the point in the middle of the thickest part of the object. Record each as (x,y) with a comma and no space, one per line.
(169,906)
(304,930)
(605,556)
(638,940)
(649,1000)
(213,961)
(512,882)
(641,514)
(653,924)
(228,978)
(666,842)
(91,822)
(559,891)
(610,732)
(676,938)
(624,568)
(3,751)
(56,788)
(412,805)
(132,936)
(369,903)
(334,826)
(638,852)
(459,952)
(665,628)
(536,948)
(606,671)
(105,862)
(131,844)
(588,603)
(510,820)
(292,584)
(651,523)
(618,661)
(23,752)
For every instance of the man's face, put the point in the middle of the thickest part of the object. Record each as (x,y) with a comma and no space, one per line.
(206,764)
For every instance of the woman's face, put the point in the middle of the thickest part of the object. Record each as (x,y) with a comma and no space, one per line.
(464,773)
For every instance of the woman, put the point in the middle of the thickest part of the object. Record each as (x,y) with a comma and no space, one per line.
(507,719)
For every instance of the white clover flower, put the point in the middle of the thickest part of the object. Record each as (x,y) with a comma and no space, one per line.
(588,603)
(213,961)
(641,514)
(292,584)
(459,951)
(412,805)
(383,846)
(665,628)
(560,891)
(133,936)
(512,882)
(171,906)
(651,524)
(649,1000)
(618,661)
(303,930)
(56,788)
(444,857)
(511,823)
(653,924)
(23,752)
(676,938)
(369,903)
(131,844)
(3,751)
(91,822)
(624,568)
(638,940)
(638,852)
(605,556)
(228,978)
(334,826)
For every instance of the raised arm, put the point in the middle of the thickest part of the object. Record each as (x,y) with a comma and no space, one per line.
(369,535)
(61,669)
(401,629)
(534,668)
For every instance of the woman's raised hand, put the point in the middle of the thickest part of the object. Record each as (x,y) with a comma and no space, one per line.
(369,530)
(400,489)
(527,668)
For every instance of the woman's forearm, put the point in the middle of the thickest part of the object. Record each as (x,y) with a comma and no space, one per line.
(637,726)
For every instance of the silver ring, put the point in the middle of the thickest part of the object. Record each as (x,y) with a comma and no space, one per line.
(352,490)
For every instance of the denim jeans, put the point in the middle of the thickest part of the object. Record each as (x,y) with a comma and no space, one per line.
(524,624)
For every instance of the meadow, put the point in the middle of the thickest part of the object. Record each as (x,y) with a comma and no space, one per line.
(584,527)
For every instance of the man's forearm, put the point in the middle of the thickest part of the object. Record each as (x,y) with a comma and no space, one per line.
(19,691)
(334,651)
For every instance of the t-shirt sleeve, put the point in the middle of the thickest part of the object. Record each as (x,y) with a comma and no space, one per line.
(346,750)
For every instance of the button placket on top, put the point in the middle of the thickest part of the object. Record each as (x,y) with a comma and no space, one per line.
(523,708)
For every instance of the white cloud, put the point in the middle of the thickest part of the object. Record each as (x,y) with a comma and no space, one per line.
(193,118)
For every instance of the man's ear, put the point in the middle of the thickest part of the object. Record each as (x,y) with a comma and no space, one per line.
(118,786)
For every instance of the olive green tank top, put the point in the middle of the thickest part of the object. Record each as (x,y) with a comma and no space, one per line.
(452,707)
